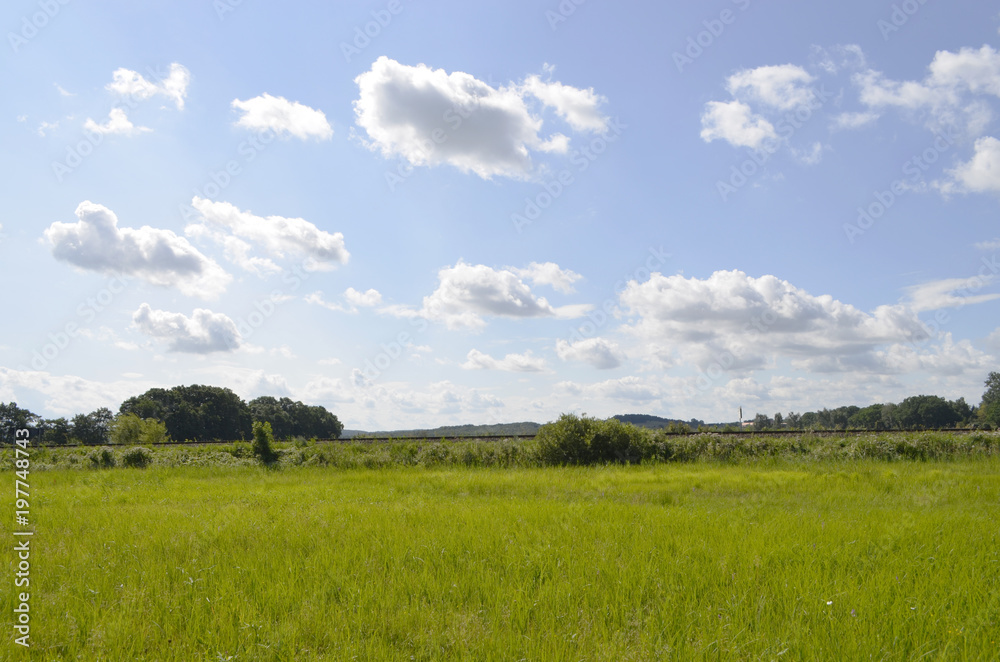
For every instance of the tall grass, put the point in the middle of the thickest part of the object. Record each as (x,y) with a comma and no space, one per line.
(774,559)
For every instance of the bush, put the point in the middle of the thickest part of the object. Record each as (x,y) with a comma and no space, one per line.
(583,440)
(137,457)
(102,458)
(263,440)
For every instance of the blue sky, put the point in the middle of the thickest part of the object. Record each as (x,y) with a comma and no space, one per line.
(420,214)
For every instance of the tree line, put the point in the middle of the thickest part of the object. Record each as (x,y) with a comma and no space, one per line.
(919,412)
(182,413)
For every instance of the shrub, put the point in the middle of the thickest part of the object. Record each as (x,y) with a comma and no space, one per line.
(137,457)
(583,440)
(263,440)
(102,458)
(241,449)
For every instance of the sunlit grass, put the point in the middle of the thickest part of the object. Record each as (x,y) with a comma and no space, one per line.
(835,560)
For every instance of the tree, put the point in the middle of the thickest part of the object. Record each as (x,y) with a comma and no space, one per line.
(14,418)
(262,442)
(761,422)
(927,411)
(868,418)
(57,431)
(129,429)
(778,420)
(93,428)
(198,413)
(295,419)
(989,409)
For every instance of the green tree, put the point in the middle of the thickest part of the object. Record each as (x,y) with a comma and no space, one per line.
(289,418)
(126,430)
(198,413)
(263,440)
(14,418)
(93,428)
(867,418)
(992,393)
(57,431)
(927,411)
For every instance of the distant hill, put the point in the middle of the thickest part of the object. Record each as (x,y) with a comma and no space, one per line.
(655,422)
(526,427)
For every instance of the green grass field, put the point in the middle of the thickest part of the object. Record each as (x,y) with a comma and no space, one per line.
(777,559)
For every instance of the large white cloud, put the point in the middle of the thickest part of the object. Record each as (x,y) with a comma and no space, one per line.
(466,293)
(477,360)
(736,123)
(282,116)
(598,352)
(743,322)
(278,236)
(132,84)
(783,87)
(431,117)
(202,333)
(96,243)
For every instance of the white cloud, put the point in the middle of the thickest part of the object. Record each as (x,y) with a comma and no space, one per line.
(578,107)
(366,299)
(467,292)
(854,120)
(62,91)
(741,323)
(283,117)
(944,95)
(630,389)
(276,235)
(96,243)
(981,174)
(991,245)
(174,85)
(118,123)
(353,297)
(67,395)
(477,360)
(783,87)
(430,117)
(45,126)
(598,352)
(948,293)
(549,273)
(202,333)
(735,123)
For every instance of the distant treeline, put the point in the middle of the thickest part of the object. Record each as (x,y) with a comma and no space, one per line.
(182,413)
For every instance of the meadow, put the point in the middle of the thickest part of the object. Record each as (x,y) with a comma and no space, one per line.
(780,557)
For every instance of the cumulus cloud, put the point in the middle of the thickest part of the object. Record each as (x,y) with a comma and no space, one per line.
(66,395)
(96,243)
(598,352)
(132,84)
(549,273)
(981,174)
(202,333)
(782,87)
(277,236)
(431,117)
(477,360)
(468,292)
(742,322)
(735,123)
(282,116)
(854,120)
(118,124)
